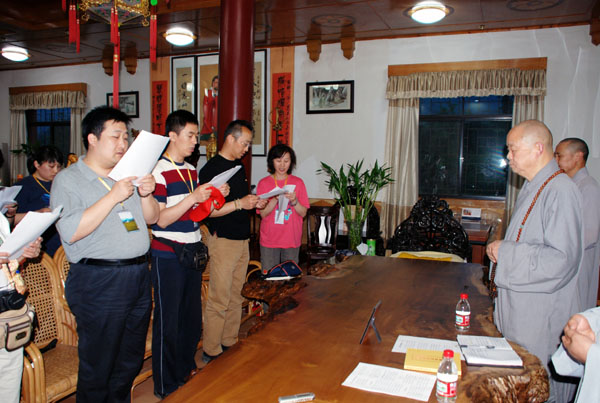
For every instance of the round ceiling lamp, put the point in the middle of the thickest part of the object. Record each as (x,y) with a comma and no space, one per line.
(15,54)
(428,12)
(179,36)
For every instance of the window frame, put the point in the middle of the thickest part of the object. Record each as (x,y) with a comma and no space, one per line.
(461,119)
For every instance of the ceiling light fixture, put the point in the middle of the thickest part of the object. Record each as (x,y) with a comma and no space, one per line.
(428,12)
(15,54)
(179,36)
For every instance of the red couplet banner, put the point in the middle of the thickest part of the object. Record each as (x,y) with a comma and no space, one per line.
(159,106)
(280,114)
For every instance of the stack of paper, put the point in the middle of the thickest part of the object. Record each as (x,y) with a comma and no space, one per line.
(492,351)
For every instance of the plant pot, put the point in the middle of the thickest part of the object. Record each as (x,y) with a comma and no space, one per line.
(354,233)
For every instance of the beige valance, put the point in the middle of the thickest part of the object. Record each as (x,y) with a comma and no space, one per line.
(47,100)
(467,83)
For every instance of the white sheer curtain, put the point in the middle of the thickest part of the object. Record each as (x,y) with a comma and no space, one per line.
(402,155)
(18,136)
(525,107)
(528,87)
(19,103)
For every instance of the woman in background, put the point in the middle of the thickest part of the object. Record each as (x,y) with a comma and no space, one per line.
(281,234)
(43,166)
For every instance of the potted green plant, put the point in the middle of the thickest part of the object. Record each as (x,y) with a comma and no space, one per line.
(356,192)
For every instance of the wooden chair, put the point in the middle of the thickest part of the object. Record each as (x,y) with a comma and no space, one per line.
(62,265)
(322,232)
(51,375)
(431,226)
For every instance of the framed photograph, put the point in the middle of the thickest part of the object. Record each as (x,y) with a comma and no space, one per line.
(129,103)
(330,97)
(207,67)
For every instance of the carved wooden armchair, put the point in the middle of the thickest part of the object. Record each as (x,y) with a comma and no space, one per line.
(431,226)
(322,232)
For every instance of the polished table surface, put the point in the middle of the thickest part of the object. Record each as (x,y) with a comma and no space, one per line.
(314,347)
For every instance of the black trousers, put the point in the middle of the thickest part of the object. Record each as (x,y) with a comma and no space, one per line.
(177,323)
(112,308)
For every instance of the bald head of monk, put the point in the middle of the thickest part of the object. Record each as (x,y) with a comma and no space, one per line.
(529,148)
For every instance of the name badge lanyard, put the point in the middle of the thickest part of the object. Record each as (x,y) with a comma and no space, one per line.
(45,199)
(280,218)
(191,187)
(125,215)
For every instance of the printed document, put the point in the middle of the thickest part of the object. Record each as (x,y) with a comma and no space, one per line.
(7,196)
(424,343)
(391,381)
(492,351)
(141,157)
(28,230)
(222,178)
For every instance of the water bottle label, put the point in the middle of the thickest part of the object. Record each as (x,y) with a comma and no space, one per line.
(463,318)
(446,389)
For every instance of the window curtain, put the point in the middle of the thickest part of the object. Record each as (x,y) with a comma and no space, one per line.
(525,107)
(528,87)
(19,103)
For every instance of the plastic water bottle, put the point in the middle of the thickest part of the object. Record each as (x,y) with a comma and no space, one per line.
(447,379)
(463,313)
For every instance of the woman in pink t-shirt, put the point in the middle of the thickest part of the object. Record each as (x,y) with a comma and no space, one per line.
(281,229)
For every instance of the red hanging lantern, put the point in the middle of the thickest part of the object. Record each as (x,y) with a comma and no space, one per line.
(153,29)
(72,21)
(116,63)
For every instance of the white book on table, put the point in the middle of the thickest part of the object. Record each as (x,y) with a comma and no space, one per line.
(490,351)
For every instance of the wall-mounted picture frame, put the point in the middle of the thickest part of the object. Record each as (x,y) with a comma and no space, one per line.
(192,86)
(129,103)
(330,97)
(183,83)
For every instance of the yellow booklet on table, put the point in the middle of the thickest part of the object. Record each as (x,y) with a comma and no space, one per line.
(427,360)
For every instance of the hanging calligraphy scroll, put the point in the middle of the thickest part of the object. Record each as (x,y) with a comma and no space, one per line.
(160,105)
(280,115)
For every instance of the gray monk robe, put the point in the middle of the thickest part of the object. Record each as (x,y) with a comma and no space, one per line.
(537,276)
(589,387)
(588,276)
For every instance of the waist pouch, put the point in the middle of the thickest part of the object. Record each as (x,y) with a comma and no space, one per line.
(192,256)
(16,326)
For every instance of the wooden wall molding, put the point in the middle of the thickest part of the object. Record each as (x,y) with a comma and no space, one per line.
(46,88)
(533,63)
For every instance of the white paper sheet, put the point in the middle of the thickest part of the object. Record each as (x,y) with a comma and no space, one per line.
(424,343)
(276,191)
(282,204)
(28,230)
(391,381)
(222,178)
(7,196)
(141,157)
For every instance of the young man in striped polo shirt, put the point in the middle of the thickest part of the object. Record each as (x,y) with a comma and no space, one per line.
(177,325)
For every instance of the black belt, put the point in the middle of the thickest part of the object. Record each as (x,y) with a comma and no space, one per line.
(115,262)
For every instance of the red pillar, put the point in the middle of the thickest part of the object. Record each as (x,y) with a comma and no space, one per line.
(236,67)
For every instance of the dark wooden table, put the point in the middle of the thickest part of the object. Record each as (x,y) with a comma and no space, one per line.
(314,347)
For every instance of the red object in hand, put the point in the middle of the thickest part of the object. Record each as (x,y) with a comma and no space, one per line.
(202,210)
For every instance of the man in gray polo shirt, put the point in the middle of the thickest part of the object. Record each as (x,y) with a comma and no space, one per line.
(103,230)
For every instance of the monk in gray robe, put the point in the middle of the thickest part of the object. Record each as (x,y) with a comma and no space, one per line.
(538,261)
(571,155)
(581,341)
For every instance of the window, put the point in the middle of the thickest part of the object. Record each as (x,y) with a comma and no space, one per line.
(49,127)
(461,146)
